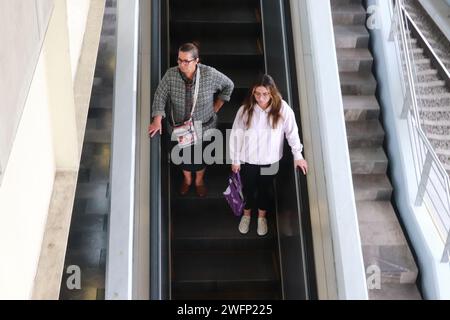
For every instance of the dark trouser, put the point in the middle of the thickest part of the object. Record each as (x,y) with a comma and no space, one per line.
(193,156)
(256,186)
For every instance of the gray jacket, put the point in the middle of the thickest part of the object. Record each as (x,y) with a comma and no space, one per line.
(171,93)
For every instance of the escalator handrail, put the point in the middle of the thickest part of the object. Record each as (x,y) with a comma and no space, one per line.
(159,282)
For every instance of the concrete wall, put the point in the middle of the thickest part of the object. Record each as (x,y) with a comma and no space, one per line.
(45,141)
(119,264)
(434,275)
(337,246)
(439,11)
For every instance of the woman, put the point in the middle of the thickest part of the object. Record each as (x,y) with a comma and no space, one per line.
(177,89)
(256,147)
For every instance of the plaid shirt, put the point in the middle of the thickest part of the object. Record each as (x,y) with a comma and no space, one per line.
(171,91)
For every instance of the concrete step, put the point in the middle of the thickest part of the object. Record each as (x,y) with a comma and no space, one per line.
(351,36)
(443,108)
(383,242)
(435,118)
(444,157)
(422,60)
(371,187)
(428,75)
(364,133)
(339,3)
(395,292)
(431,84)
(357,108)
(357,83)
(354,60)
(412,41)
(350,13)
(368,160)
(432,87)
(434,100)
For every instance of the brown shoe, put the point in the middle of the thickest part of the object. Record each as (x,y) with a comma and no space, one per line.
(201,190)
(184,189)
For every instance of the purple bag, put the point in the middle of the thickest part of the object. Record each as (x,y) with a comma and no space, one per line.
(233,194)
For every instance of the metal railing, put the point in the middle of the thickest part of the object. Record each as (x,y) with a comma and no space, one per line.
(432,179)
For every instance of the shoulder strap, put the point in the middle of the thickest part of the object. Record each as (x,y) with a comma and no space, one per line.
(196,89)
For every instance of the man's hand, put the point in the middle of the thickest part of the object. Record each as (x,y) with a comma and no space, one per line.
(155,127)
(218,104)
(302,164)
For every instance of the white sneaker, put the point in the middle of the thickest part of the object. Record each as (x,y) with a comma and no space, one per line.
(244,224)
(262,226)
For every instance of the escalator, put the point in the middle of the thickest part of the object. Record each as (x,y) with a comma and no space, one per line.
(197,251)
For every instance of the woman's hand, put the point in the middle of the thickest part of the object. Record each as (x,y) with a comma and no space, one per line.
(235,168)
(302,164)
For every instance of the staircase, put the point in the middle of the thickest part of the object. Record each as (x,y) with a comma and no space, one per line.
(434,93)
(210,258)
(382,238)
(88,230)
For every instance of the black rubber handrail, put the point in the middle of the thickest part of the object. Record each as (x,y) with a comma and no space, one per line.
(301,180)
(159,229)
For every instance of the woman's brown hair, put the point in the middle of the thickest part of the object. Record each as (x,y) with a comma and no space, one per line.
(274,103)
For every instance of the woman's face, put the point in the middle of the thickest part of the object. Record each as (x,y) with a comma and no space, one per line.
(186,62)
(262,96)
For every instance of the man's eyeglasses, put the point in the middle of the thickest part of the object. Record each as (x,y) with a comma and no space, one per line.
(184,61)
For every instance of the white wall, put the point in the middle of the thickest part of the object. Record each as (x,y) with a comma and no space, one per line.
(337,245)
(427,245)
(439,11)
(61,96)
(45,142)
(25,193)
(77,14)
(22,23)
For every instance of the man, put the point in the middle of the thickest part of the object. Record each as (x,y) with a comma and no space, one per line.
(177,87)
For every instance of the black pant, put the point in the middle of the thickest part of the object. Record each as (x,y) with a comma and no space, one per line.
(257,186)
(189,154)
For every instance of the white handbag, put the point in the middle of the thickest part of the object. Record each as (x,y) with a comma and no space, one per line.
(185,134)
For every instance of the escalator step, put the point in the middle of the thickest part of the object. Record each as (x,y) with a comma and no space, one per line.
(216,180)
(243,15)
(205,30)
(212,5)
(229,45)
(221,291)
(225,271)
(242,77)
(207,224)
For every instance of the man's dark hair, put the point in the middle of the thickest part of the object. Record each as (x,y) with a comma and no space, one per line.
(190,47)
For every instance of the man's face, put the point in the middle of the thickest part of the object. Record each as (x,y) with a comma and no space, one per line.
(186,62)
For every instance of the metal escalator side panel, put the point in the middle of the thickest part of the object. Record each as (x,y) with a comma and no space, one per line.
(292,210)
